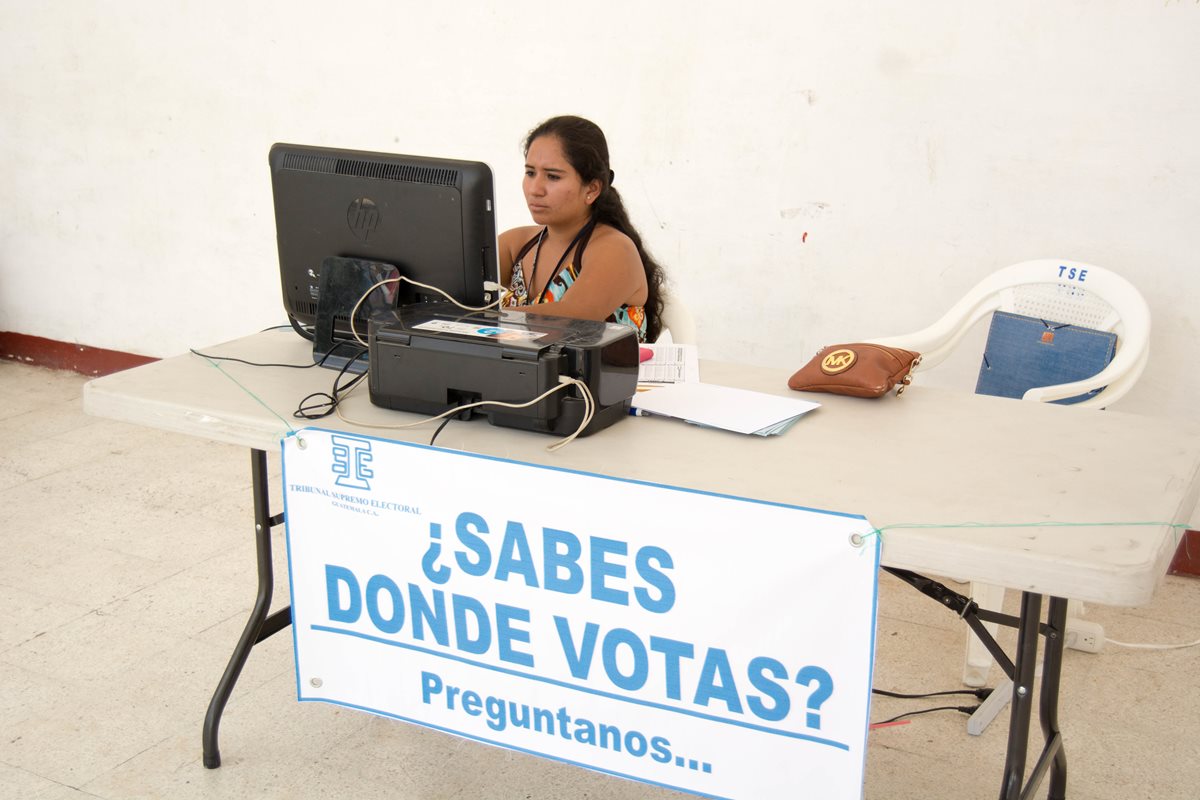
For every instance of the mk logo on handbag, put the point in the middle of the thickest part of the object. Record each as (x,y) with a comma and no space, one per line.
(838,361)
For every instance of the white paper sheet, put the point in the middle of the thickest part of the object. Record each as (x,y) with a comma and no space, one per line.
(723,407)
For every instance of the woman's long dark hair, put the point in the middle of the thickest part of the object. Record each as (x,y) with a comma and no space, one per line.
(586,149)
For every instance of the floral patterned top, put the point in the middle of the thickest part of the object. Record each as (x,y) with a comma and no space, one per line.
(564,276)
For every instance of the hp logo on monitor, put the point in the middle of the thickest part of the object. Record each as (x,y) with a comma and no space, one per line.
(363,217)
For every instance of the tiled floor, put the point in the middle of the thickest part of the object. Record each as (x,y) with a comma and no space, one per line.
(127,574)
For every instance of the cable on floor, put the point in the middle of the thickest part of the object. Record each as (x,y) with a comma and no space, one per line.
(968,710)
(982,694)
(1153,646)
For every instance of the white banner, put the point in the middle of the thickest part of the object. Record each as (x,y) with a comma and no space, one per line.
(712,644)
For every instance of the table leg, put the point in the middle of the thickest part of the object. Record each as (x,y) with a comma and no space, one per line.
(258,626)
(1053,755)
(1053,759)
(1022,700)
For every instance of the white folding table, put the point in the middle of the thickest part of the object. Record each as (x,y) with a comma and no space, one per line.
(1048,500)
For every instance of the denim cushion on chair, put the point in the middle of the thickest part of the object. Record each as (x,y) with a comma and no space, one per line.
(1024,352)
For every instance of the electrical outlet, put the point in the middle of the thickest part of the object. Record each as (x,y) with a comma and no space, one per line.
(1085,636)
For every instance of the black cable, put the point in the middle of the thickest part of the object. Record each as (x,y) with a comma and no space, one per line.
(307,334)
(328,401)
(968,710)
(445,422)
(248,363)
(320,363)
(982,694)
(331,399)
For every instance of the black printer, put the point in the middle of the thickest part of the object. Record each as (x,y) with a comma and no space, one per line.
(429,357)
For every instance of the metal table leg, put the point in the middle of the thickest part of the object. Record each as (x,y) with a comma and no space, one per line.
(259,626)
(1022,699)
(1053,759)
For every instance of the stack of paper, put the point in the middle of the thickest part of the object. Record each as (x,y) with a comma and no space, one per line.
(714,406)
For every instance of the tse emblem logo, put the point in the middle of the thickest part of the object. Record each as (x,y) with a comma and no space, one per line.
(351,460)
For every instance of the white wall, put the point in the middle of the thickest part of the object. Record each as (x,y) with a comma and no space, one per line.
(809,172)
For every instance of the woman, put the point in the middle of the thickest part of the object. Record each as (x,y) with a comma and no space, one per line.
(568,188)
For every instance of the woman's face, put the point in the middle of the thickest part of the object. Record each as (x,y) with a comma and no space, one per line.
(554,192)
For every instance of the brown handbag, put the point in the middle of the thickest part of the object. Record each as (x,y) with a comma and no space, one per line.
(859,370)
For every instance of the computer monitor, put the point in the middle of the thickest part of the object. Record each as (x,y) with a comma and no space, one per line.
(431,218)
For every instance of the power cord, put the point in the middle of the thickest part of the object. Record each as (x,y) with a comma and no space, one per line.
(300,329)
(358,352)
(328,401)
(563,383)
(968,710)
(440,428)
(1153,646)
(981,694)
(307,410)
(489,285)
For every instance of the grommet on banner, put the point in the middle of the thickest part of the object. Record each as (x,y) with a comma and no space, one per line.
(860,539)
(316,683)
(301,442)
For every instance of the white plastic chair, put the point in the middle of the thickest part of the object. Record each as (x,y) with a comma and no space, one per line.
(677,319)
(1069,292)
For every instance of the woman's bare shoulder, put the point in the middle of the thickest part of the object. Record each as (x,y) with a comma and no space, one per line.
(611,244)
(513,238)
(611,241)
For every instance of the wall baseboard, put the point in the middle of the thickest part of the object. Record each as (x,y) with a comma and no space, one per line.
(91,361)
(1187,555)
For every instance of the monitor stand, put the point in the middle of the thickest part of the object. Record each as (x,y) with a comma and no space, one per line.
(343,282)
